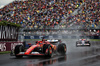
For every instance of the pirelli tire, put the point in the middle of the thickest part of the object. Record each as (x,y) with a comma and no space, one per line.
(77,43)
(17,50)
(47,50)
(62,48)
(88,43)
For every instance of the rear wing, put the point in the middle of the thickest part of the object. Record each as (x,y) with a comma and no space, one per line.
(53,40)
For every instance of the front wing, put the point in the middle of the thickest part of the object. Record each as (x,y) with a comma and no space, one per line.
(32,53)
(82,44)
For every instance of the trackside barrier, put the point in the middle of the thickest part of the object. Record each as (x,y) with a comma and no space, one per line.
(60,37)
(8,46)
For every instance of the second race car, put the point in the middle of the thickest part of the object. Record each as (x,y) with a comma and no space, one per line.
(82,42)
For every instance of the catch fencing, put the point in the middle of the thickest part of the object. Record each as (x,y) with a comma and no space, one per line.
(8,46)
(60,37)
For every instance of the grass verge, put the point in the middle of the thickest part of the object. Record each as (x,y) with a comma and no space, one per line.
(94,39)
(5,52)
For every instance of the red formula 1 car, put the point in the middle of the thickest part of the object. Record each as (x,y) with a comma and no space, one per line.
(43,48)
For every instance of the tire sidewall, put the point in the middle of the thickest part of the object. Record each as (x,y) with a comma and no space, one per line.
(62,48)
(18,49)
(45,47)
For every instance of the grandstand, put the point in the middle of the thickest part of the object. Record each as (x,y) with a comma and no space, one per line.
(53,14)
(34,13)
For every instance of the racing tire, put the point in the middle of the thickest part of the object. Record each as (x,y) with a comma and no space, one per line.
(17,50)
(76,44)
(62,48)
(89,43)
(47,50)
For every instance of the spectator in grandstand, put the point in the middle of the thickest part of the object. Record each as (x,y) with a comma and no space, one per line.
(88,17)
(33,14)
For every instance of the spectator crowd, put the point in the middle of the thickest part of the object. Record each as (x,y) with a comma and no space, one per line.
(40,14)
(67,32)
(88,16)
(37,13)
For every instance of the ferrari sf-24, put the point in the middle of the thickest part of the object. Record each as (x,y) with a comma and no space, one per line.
(41,48)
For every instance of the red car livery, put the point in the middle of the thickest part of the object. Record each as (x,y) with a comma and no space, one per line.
(44,48)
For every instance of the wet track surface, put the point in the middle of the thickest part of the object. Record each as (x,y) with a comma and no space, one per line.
(75,56)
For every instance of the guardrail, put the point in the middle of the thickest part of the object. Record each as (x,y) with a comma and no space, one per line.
(60,37)
(8,46)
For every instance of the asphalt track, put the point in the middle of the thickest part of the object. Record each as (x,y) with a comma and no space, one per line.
(75,56)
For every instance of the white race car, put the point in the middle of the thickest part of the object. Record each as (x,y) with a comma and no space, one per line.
(82,42)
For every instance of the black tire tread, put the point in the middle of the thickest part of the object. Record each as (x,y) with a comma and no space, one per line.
(18,48)
(45,46)
(61,48)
